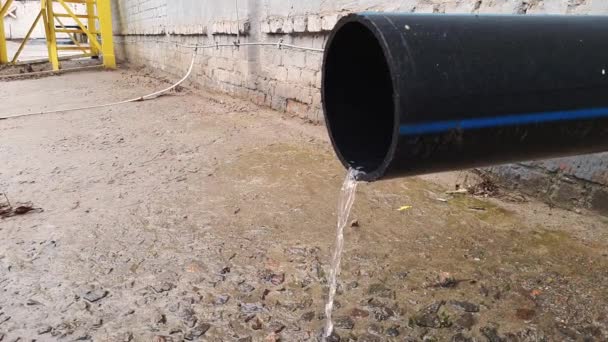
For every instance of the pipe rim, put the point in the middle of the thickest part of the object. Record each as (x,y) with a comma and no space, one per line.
(370,25)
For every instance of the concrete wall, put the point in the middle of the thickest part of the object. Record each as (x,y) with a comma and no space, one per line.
(26,12)
(288,80)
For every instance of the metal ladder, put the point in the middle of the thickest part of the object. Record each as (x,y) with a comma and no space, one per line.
(98,30)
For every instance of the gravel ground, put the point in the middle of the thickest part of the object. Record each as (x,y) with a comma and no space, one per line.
(197,216)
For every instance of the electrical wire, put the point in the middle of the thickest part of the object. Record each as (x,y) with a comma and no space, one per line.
(136,99)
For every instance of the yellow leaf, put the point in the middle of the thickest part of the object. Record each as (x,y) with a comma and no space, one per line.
(405,207)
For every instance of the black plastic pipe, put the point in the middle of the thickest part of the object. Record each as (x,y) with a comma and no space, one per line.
(407,94)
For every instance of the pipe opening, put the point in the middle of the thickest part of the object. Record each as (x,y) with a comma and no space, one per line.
(358,98)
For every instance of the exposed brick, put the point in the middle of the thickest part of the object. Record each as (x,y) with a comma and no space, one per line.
(314,23)
(287,25)
(294,58)
(296,107)
(293,74)
(329,21)
(308,77)
(314,60)
(299,23)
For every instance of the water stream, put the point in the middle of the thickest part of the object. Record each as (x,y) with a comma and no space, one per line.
(345,203)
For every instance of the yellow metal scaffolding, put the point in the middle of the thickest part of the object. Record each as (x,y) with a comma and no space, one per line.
(98,30)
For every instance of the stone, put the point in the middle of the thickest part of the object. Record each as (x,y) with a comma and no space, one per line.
(382,313)
(43,330)
(344,322)
(466,321)
(163,287)
(246,288)
(221,300)
(375,329)
(465,306)
(381,291)
(359,313)
(276,327)
(308,316)
(369,338)
(95,295)
(256,323)
(460,337)
(159,318)
(491,334)
(393,331)
(198,331)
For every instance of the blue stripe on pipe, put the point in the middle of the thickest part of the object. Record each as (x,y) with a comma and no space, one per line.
(499,121)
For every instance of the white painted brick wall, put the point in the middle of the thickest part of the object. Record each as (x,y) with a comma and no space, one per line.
(276,76)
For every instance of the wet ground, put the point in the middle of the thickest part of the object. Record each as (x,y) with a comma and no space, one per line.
(200,217)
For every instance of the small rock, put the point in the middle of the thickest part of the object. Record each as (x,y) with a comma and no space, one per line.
(466,321)
(334,337)
(127,337)
(256,323)
(433,308)
(308,316)
(95,295)
(276,327)
(98,323)
(446,280)
(375,329)
(43,330)
(428,318)
(382,313)
(251,307)
(277,279)
(81,336)
(460,337)
(368,338)
(159,338)
(402,275)
(245,339)
(352,285)
(466,306)
(159,318)
(163,287)
(354,223)
(221,300)
(491,334)
(381,291)
(4,319)
(392,331)
(246,288)
(200,329)
(32,302)
(344,322)
(359,313)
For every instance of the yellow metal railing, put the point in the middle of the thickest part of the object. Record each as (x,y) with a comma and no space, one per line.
(98,31)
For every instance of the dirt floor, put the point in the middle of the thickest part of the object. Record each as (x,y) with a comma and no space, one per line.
(197,216)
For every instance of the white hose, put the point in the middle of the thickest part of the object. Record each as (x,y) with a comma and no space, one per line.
(136,99)
(279,45)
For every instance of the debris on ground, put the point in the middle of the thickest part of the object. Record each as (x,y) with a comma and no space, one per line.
(7,210)
(485,188)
